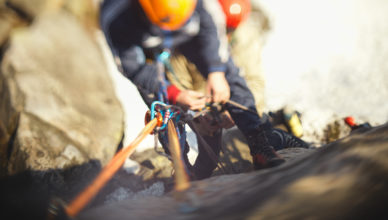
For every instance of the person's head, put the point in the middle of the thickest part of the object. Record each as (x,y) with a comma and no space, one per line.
(168,14)
(236,11)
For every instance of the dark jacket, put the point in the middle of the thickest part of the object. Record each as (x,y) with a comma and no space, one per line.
(133,38)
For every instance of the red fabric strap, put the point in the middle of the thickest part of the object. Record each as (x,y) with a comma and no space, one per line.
(172,93)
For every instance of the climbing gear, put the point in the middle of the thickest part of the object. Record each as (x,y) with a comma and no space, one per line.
(147,119)
(161,119)
(236,11)
(182,117)
(238,105)
(350,121)
(181,177)
(161,116)
(292,121)
(168,14)
(165,113)
(161,61)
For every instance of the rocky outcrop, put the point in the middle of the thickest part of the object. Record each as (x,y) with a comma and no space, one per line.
(346,179)
(58,107)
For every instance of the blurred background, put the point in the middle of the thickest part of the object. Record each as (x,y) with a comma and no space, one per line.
(327,59)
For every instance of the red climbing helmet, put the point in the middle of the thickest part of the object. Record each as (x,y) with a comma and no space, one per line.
(235,11)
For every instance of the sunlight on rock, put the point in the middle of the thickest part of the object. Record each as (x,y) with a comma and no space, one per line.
(131,166)
(320,185)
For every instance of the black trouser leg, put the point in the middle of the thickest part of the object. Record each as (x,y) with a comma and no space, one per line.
(206,162)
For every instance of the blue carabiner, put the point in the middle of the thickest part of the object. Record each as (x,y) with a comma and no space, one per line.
(153,113)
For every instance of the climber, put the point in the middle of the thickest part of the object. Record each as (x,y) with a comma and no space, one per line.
(137,31)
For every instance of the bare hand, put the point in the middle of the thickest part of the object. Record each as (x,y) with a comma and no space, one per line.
(191,99)
(217,88)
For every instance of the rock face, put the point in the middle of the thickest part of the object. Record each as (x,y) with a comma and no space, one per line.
(346,179)
(58,107)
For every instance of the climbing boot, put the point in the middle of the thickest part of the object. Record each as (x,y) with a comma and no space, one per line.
(263,154)
(281,139)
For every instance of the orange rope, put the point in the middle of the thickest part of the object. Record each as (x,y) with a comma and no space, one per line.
(181,179)
(109,170)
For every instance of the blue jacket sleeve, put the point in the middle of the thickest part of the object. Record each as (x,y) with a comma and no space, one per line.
(144,75)
(204,49)
(119,30)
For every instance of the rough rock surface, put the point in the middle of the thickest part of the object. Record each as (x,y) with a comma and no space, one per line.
(58,105)
(344,179)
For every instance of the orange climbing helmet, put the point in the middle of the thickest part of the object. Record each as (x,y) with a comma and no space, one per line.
(168,14)
(235,11)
